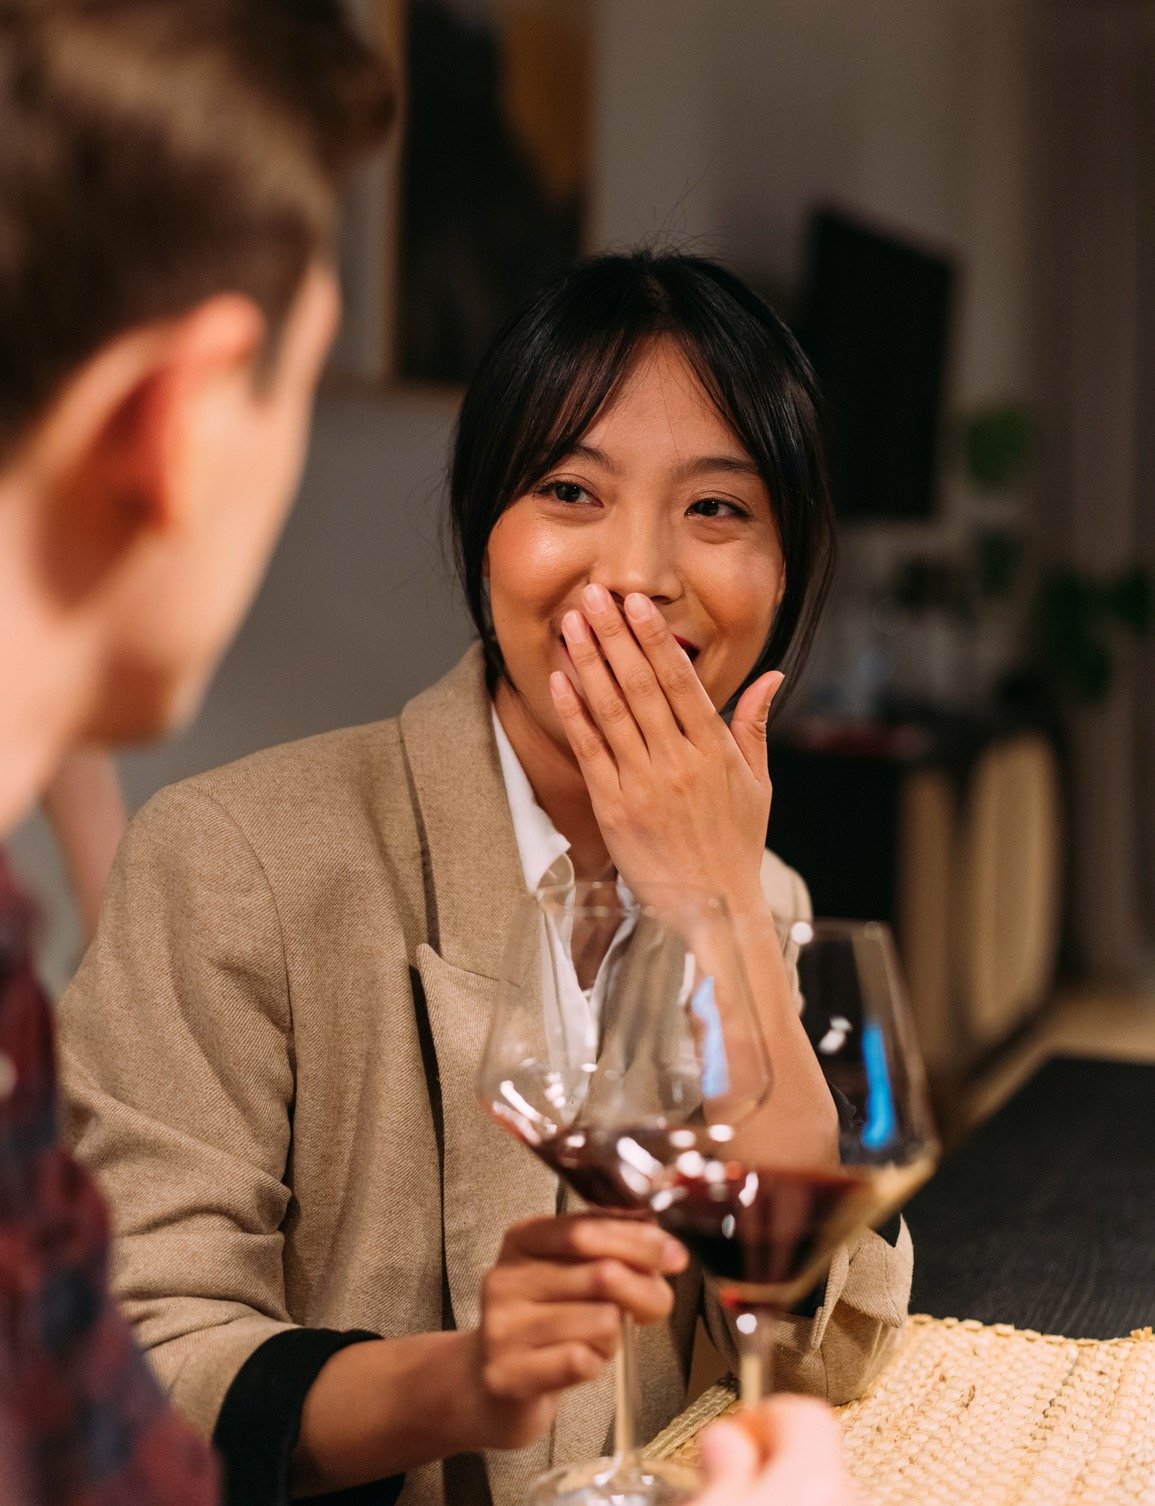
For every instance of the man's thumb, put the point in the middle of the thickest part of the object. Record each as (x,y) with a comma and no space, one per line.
(730,1462)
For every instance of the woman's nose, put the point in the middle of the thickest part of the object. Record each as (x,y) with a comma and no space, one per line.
(638,558)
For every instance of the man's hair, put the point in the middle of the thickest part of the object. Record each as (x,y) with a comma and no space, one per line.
(156,152)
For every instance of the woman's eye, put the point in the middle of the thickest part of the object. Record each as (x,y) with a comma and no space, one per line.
(714,507)
(562,491)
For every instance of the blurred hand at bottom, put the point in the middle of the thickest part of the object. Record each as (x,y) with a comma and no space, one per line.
(785,1453)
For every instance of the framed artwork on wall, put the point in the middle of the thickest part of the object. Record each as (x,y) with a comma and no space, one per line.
(481,195)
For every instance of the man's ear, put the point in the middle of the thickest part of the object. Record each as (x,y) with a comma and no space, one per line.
(213,349)
(110,456)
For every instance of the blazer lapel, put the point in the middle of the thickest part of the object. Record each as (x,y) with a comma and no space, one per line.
(489,1181)
(473,881)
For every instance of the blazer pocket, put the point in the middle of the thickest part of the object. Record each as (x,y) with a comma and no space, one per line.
(488,1180)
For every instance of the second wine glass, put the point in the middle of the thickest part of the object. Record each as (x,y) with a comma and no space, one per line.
(764,1224)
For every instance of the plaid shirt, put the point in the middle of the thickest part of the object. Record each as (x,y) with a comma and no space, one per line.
(82,1420)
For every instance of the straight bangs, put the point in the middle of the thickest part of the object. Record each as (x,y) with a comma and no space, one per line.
(549,373)
(581,381)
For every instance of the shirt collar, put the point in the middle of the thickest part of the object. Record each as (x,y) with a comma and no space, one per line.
(543,850)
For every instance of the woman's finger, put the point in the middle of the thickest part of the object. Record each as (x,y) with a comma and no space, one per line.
(607,706)
(789,1449)
(589,746)
(525,1374)
(696,713)
(748,724)
(649,1299)
(634,674)
(538,1325)
(798,1429)
(586,1236)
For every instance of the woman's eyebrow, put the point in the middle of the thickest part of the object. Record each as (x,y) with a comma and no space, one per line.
(588,452)
(699,465)
(735,465)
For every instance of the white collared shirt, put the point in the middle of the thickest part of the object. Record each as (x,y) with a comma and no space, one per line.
(545,864)
(544,852)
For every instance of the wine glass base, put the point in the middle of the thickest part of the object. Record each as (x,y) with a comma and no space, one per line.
(612,1482)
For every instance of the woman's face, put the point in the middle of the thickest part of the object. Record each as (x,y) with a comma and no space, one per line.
(658,497)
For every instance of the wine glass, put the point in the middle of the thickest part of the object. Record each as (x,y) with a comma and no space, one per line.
(623,1037)
(764,1226)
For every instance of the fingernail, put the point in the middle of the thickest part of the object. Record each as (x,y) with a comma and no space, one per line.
(597,598)
(573,625)
(638,606)
(559,685)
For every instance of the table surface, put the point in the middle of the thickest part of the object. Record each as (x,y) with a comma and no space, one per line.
(1045,1217)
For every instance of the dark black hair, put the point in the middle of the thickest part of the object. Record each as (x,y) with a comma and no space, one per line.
(561,358)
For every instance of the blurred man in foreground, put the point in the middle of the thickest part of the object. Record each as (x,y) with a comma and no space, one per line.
(786,1452)
(168,194)
(168,190)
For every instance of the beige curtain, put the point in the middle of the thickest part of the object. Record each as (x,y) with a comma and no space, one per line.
(1096,81)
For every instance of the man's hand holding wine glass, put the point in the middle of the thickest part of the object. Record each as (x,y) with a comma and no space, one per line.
(784,1453)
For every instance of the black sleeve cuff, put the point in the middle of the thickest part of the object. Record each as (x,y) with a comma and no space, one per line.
(260,1420)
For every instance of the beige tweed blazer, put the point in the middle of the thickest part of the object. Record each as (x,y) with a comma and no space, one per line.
(269,1056)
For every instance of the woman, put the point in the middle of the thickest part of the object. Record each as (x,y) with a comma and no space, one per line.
(272,1045)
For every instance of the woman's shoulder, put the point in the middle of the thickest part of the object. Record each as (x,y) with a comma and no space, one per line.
(308,794)
(345,758)
(350,783)
(785,889)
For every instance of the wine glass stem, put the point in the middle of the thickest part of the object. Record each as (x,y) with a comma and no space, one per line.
(626,1371)
(757,1330)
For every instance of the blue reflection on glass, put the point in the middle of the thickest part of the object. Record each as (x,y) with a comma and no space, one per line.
(715,1077)
(879,1126)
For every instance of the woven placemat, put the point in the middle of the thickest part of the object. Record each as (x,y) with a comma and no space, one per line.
(966,1415)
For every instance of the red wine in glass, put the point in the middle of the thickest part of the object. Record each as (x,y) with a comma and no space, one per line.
(765,1234)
